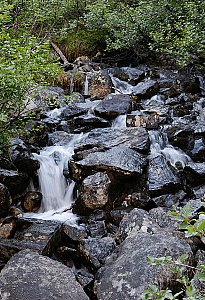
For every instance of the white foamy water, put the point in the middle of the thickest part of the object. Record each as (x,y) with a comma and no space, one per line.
(86,86)
(119,122)
(160,144)
(121,87)
(56,190)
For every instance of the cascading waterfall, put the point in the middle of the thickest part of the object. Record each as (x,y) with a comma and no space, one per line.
(86,86)
(57,192)
(160,144)
(119,122)
(121,87)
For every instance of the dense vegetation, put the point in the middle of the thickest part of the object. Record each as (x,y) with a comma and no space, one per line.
(86,27)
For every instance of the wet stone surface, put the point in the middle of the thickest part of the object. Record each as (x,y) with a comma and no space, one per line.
(117,160)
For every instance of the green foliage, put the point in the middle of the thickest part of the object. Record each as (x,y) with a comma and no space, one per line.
(24,61)
(179,268)
(172,27)
(192,224)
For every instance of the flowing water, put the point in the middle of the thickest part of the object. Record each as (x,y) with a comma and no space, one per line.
(160,144)
(119,122)
(57,192)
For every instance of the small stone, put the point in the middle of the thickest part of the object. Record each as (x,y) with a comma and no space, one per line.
(31,201)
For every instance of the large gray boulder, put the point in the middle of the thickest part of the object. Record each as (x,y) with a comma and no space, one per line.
(94,191)
(15,182)
(161,179)
(127,274)
(31,276)
(134,138)
(119,160)
(114,105)
(146,89)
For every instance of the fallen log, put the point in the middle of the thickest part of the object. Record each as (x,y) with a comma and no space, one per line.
(66,63)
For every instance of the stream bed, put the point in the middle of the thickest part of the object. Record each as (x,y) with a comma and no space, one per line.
(91,191)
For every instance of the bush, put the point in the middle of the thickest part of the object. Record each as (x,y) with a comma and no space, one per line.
(172,27)
(24,61)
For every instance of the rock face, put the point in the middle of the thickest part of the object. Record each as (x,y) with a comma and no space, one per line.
(160,176)
(31,202)
(113,106)
(5,201)
(22,158)
(99,85)
(134,138)
(94,191)
(14,181)
(120,160)
(96,250)
(127,274)
(39,236)
(195,173)
(29,275)
(146,89)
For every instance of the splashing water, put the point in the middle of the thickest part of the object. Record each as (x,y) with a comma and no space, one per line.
(57,192)
(119,122)
(121,87)
(86,86)
(160,144)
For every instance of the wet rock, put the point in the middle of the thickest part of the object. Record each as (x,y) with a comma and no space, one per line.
(6,164)
(134,138)
(135,75)
(146,89)
(14,181)
(100,85)
(126,273)
(97,228)
(74,233)
(168,200)
(195,173)
(117,215)
(198,151)
(24,278)
(72,110)
(84,277)
(161,179)
(119,160)
(31,202)
(157,104)
(59,138)
(22,158)
(7,229)
(95,250)
(114,105)
(5,201)
(199,191)
(94,191)
(191,85)
(90,121)
(181,135)
(15,212)
(150,121)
